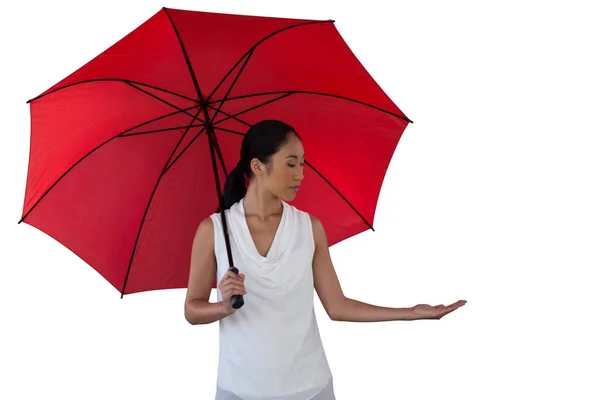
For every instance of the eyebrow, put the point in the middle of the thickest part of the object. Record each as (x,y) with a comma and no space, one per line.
(294,156)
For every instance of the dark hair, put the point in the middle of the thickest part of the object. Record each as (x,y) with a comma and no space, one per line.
(262,140)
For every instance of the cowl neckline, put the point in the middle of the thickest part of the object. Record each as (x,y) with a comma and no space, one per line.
(245,244)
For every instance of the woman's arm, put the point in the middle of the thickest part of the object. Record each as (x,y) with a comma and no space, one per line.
(327,286)
(198,310)
(341,308)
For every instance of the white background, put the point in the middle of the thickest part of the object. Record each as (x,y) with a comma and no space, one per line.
(492,197)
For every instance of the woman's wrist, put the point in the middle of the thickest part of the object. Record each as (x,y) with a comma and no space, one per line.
(225,311)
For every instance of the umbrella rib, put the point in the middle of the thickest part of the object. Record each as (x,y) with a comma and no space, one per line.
(174,128)
(219,153)
(254,107)
(322,177)
(186,56)
(166,91)
(194,117)
(341,195)
(122,134)
(231,86)
(251,49)
(230,131)
(184,149)
(231,116)
(150,202)
(222,161)
(317,94)
(112,80)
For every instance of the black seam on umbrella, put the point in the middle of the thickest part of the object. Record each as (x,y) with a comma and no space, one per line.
(229,130)
(184,149)
(190,68)
(112,80)
(122,134)
(190,143)
(150,202)
(318,94)
(174,128)
(322,177)
(212,119)
(251,49)
(222,161)
(231,116)
(164,101)
(187,58)
(341,195)
(253,108)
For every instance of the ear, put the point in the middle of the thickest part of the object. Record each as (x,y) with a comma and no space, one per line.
(257,167)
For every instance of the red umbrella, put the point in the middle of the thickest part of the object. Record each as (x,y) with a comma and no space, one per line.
(128,153)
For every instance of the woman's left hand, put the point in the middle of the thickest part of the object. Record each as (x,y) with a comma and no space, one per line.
(425,311)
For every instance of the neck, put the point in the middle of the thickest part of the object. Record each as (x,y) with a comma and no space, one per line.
(260,203)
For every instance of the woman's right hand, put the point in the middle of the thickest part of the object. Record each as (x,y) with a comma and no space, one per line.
(231,284)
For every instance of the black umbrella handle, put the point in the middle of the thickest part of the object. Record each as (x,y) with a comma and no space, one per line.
(237,300)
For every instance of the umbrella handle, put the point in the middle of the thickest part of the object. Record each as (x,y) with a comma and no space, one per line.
(237,300)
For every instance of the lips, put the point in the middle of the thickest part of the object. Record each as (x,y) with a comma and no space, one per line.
(295,187)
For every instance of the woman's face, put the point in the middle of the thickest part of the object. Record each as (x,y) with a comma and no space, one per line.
(284,174)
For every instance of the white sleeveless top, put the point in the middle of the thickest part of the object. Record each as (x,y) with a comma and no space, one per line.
(271,347)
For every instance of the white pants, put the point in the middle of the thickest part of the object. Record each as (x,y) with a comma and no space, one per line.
(325,394)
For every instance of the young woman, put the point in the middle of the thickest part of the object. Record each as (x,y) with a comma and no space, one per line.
(271,347)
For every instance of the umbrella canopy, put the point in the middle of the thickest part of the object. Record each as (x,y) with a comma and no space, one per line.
(128,153)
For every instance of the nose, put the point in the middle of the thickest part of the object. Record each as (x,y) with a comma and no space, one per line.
(300,175)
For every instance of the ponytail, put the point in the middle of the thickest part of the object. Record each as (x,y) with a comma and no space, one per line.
(235,186)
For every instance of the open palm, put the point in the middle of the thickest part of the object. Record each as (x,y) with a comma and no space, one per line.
(425,311)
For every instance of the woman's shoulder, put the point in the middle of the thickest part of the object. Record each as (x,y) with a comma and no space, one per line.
(315,222)
(216,216)
(206,228)
(204,238)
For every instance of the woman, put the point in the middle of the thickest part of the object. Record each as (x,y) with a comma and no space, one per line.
(271,347)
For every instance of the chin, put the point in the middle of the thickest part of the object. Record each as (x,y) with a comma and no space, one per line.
(288,196)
